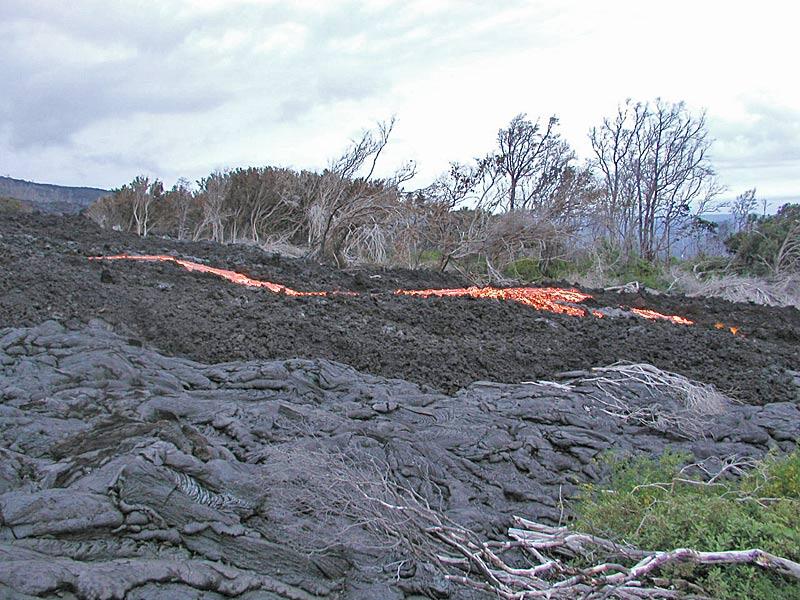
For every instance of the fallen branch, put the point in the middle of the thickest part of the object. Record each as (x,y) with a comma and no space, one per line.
(681,405)
(538,561)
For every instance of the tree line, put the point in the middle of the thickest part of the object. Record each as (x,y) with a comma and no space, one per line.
(647,185)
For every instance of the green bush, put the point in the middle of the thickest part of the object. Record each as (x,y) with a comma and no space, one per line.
(524,269)
(734,515)
(647,273)
(532,269)
(757,249)
(430,256)
(558,268)
(708,265)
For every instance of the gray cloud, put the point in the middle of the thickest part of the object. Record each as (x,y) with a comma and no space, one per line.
(115,88)
(769,135)
(170,63)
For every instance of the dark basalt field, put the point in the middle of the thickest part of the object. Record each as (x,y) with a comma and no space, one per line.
(444,343)
(171,435)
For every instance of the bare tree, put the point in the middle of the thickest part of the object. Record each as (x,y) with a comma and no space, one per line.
(526,158)
(142,193)
(129,207)
(543,193)
(742,207)
(344,198)
(460,208)
(654,162)
(181,204)
(213,193)
(111,212)
(526,198)
(613,145)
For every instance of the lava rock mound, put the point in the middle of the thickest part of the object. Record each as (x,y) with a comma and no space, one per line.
(129,474)
(442,343)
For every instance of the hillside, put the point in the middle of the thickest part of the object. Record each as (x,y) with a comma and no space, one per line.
(189,420)
(49,198)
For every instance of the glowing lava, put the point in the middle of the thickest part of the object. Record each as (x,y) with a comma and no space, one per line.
(232,276)
(654,316)
(733,330)
(556,300)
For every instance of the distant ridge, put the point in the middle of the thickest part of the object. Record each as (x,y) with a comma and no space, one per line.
(49,198)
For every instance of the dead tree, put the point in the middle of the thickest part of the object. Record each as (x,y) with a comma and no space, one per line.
(459,210)
(544,193)
(526,153)
(142,194)
(180,202)
(212,195)
(345,196)
(656,171)
(742,207)
(355,492)
(130,207)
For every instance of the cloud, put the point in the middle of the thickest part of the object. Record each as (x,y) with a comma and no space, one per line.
(764,134)
(96,91)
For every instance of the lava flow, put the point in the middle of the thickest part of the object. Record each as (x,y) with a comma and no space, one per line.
(556,300)
(653,315)
(733,330)
(232,276)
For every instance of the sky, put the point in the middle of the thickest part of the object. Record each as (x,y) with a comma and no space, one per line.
(97,92)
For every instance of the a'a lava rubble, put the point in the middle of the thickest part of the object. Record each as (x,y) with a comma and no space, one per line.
(555,300)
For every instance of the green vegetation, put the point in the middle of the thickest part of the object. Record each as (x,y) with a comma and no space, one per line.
(526,210)
(430,258)
(614,269)
(770,244)
(14,205)
(649,274)
(531,269)
(654,505)
(524,269)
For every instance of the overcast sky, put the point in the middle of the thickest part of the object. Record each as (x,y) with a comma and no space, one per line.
(96,92)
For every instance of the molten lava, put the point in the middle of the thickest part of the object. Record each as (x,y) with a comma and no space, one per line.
(653,315)
(233,276)
(556,300)
(733,330)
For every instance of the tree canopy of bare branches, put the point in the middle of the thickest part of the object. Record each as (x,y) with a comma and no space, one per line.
(129,208)
(742,207)
(653,158)
(213,193)
(345,198)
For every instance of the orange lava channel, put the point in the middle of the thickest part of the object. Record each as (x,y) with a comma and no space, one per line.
(233,276)
(549,299)
(653,315)
(555,300)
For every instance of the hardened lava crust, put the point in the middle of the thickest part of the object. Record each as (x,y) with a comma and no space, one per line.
(444,343)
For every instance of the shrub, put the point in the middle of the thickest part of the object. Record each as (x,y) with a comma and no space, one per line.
(647,273)
(657,506)
(524,269)
(771,244)
(430,257)
(11,205)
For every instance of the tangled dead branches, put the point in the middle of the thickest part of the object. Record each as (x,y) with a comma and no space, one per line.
(681,405)
(358,495)
(783,290)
